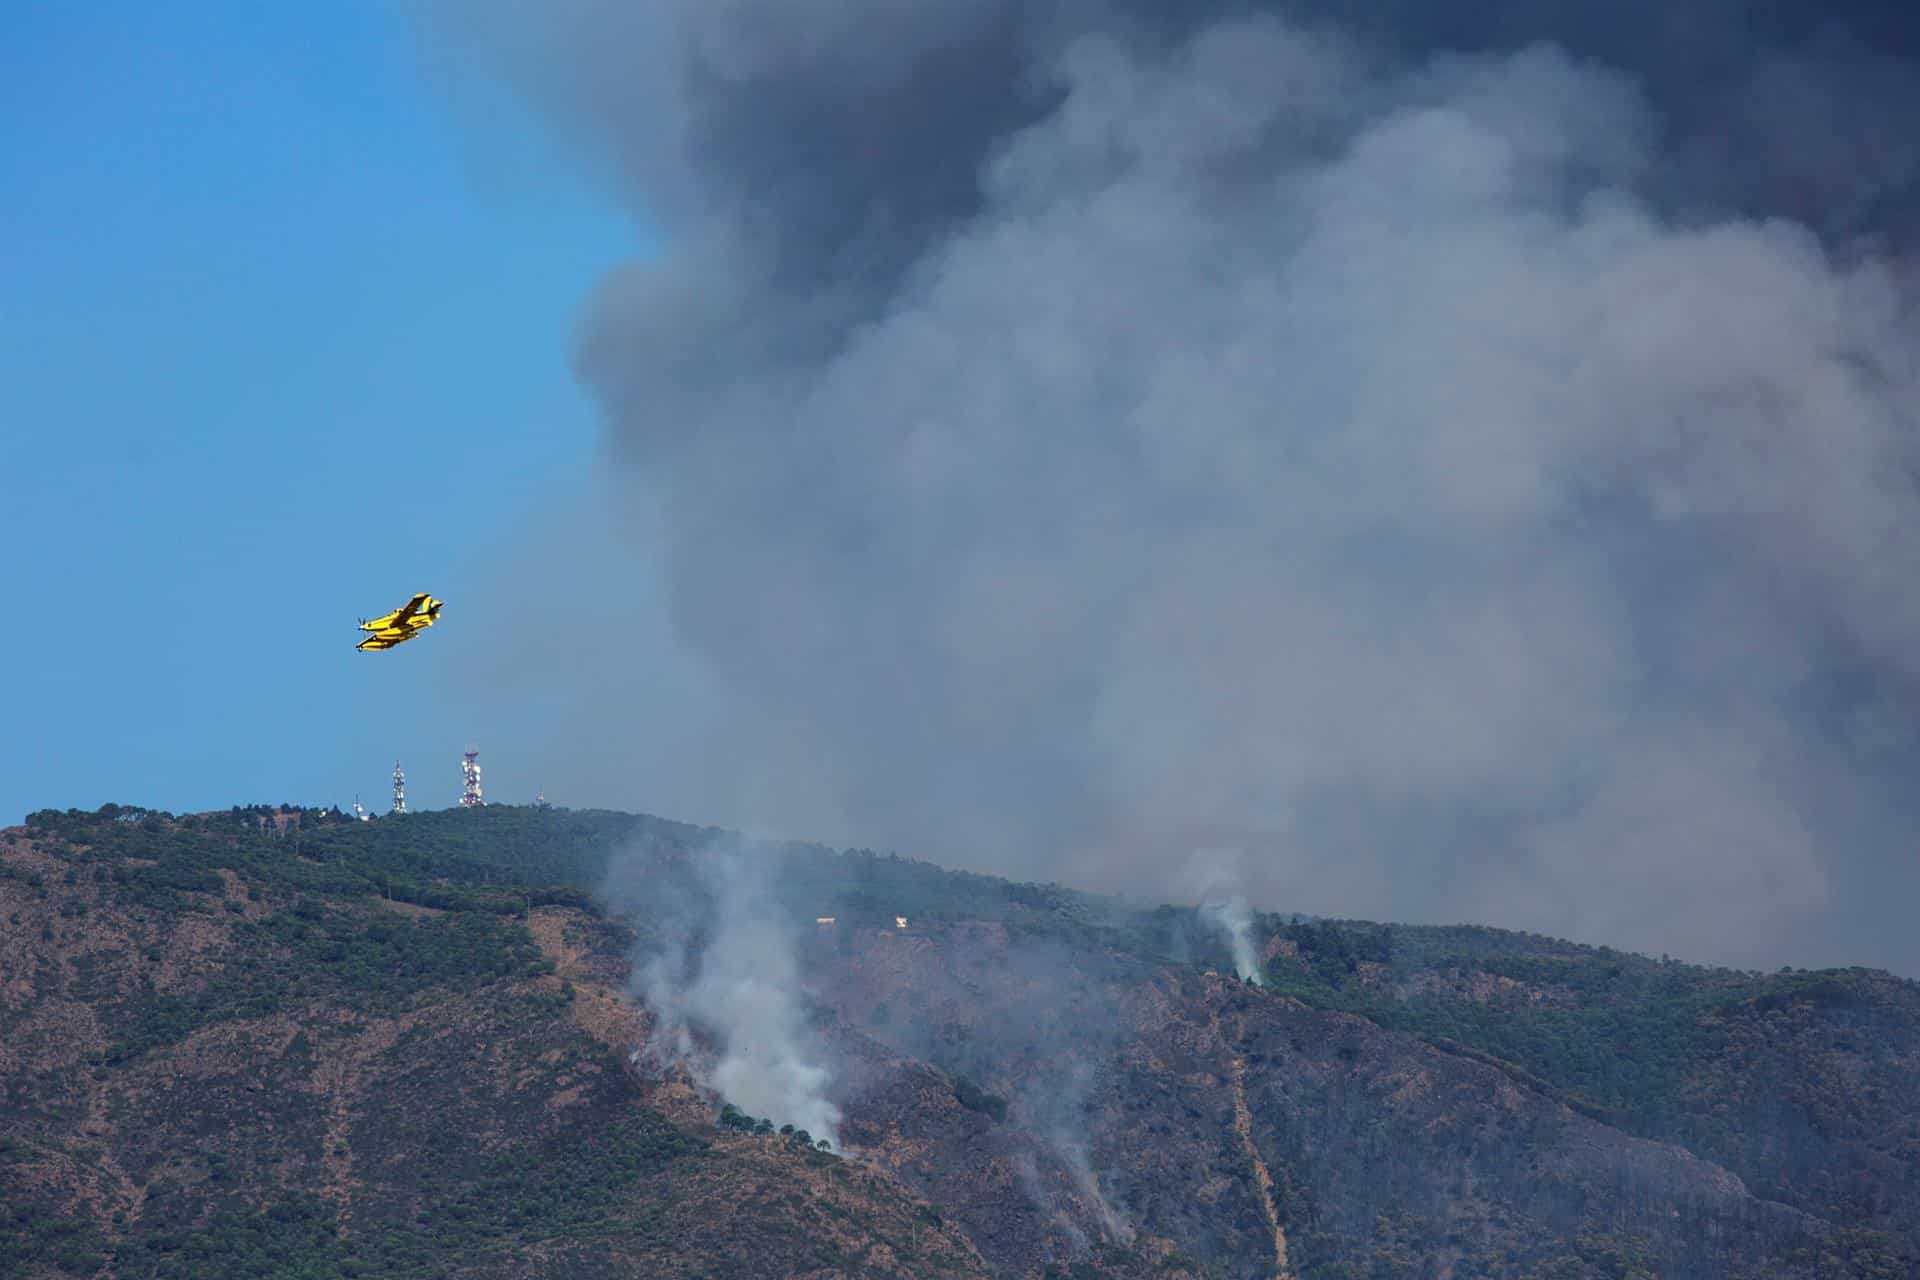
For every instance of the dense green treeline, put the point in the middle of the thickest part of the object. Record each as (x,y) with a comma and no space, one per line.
(479,859)
(504,858)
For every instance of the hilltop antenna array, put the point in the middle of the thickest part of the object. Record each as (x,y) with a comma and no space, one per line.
(470,797)
(399,788)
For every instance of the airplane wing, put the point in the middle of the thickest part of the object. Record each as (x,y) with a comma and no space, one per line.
(399,617)
(376,642)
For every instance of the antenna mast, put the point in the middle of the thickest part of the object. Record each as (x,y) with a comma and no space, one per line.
(470,797)
(399,788)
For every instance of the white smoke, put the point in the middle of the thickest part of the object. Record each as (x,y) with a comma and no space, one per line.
(1234,918)
(1082,1194)
(1087,1184)
(1055,1110)
(735,984)
(1224,906)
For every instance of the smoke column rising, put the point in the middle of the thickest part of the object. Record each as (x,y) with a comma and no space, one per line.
(730,975)
(1234,919)
(1465,460)
(1216,876)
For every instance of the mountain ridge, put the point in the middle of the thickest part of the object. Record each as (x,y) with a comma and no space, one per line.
(1033,1081)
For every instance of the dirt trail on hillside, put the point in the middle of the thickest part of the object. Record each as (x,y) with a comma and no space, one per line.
(1243,1125)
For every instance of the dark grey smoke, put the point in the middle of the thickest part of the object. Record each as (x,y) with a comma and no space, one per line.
(1461,461)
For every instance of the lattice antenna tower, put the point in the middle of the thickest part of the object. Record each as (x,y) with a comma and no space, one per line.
(470,797)
(399,788)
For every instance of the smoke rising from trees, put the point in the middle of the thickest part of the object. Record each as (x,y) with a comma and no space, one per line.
(1234,919)
(724,988)
(1216,878)
(1466,461)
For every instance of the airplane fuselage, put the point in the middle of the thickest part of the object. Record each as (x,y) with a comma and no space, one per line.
(404,623)
(414,620)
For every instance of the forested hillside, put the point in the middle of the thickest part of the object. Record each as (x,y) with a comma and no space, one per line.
(280,1042)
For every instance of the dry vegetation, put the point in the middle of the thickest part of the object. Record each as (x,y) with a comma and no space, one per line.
(294,1046)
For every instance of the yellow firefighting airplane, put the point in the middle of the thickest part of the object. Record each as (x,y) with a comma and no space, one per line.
(402,625)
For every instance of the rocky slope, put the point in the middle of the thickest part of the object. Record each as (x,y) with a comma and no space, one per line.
(281,1043)
(1264,1137)
(258,1081)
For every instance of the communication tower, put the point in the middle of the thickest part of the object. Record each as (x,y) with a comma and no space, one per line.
(359,812)
(399,788)
(540,800)
(470,771)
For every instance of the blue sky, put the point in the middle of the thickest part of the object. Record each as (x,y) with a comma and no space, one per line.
(279,345)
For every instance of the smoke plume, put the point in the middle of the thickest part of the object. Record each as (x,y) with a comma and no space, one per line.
(1464,457)
(1234,919)
(1060,1113)
(723,986)
(1216,875)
